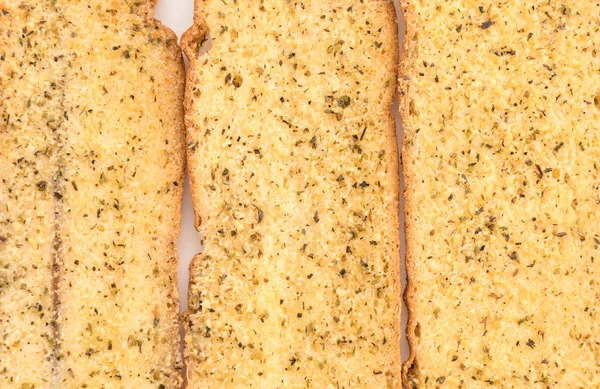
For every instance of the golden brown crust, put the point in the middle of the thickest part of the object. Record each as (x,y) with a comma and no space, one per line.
(191,43)
(403,105)
(190,46)
(394,152)
(173,236)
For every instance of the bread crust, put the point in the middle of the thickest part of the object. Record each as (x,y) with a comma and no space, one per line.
(191,43)
(192,40)
(408,173)
(394,152)
(174,234)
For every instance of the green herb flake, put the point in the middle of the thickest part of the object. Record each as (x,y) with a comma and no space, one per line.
(42,185)
(344,101)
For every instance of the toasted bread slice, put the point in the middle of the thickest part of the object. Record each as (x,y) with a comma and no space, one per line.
(294,176)
(92,163)
(500,108)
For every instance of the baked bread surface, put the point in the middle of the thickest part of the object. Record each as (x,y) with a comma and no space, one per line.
(92,166)
(294,176)
(500,105)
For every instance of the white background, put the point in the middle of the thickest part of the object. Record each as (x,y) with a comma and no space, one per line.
(178,15)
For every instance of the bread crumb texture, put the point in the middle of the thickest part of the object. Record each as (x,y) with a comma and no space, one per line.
(293,163)
(501,105)
(91,176)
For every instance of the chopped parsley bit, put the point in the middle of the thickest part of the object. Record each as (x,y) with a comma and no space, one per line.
(42,185)
(344,101)
(559,146)
(486,25)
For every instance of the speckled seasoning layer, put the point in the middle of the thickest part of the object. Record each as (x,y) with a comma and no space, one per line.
(501,103)
(294,175)
(91,176)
